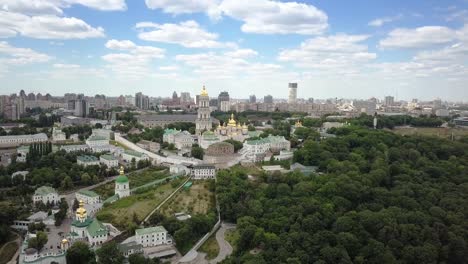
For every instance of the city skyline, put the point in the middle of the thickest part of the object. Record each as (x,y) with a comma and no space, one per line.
(331,49)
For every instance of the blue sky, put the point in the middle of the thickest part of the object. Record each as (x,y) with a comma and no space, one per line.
(332,48)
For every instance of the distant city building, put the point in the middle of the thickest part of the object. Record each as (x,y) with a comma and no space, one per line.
(389,100)
(292,93)
(155,120)
(81,108)
(185,98)
(252,99)
(142,101)
(223,97)
(268,99)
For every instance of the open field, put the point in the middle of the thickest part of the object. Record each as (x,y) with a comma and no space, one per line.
(198,199)
(136,180)
(121,213)
(432,131)
(210,247)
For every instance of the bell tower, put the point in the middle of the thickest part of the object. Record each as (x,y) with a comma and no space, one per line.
(203,121)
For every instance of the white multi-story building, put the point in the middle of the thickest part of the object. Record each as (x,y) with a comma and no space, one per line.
(128,155)
(109,160)
(181,139)
(58,135)
(86,160)
(96,141)
(101,132)
(88,197)
(152,236)
(23,139)
(203,172)
(46,194)
(256,150)
(74,148)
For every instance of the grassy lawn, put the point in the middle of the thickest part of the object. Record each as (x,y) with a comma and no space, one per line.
(198,199)
(232,236)
(121,213)
(8,251)
(432,131)
(210,247)
(136,179)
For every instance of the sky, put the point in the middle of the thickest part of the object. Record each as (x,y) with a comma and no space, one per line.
(331,48)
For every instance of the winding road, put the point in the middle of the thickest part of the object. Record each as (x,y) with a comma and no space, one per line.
(225,249)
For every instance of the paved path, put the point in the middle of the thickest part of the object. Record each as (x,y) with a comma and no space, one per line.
(225,249)
(165,200)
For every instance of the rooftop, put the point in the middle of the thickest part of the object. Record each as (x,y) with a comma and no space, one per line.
(96,228)
(150,230)
(44,190)
(96,138)
(42,136)
(108,157)
(133,153)
(87,158)
(88,193)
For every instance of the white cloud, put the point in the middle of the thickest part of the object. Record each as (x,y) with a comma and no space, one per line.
(65,66)
(102,5)
(11,56)
(188,34)
(169,68)
(384,20)
(274,17)
(333,54)
(242,53)
(186,6)
(47,27)
(228,65)
(421,37)
(133,64)
(55,7)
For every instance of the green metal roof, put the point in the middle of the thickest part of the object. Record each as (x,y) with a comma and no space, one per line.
(86,223)
(121,179)
(88,193)
(169,131)
(108,157)
(87,158)
(96,228)
(150,230)
(44,190)
(133,153)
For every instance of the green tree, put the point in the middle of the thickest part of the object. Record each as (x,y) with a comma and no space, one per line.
(197,152)
(110,254)
(80,253)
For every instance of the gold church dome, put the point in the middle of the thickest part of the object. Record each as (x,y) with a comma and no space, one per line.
(232,122)
(81,211)
(245,126)
(204,92)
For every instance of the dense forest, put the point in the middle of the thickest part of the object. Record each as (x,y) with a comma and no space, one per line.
(378,198)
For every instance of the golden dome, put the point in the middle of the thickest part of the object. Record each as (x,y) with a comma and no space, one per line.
(81,211)
(204,92)
(232,122)
(64,241)
(245,126)
(298,123)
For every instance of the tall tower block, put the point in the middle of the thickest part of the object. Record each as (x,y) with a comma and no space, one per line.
(292,93)
(203,121)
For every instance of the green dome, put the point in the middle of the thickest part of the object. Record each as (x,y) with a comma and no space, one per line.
(121,179)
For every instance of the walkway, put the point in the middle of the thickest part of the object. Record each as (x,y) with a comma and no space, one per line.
(225,249)
(158,158)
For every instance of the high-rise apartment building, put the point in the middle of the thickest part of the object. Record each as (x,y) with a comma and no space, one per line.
(292,89)
(268,99)
(223,97)
(252,99)
(389,100)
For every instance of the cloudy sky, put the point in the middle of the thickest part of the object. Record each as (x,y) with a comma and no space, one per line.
(332,48)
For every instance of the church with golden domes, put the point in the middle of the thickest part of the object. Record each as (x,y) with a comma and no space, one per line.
(85,228)
(232,130)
